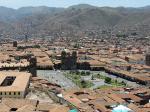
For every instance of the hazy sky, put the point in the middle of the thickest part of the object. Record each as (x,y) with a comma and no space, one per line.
(66,3)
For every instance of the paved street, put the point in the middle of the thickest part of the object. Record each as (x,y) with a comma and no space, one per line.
(56,77)
(39,95)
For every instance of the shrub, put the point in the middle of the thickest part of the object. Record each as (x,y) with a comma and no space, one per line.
(83,73)
(108,80)
(88,73)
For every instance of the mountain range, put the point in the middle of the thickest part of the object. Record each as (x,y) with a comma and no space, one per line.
(43,21)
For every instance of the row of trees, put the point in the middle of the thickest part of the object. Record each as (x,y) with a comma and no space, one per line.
(82,73)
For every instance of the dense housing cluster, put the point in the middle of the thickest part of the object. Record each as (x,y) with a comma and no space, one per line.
(125,78)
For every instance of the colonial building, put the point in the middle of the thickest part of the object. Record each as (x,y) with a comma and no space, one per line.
(14,84)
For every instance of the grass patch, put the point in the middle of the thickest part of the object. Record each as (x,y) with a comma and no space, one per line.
(105,87)
(111,81)
(76,78)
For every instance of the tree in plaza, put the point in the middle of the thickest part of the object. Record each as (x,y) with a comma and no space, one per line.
(83,84)
(92,77)
(83,73)
(123,83)
(88,73)
(108,80)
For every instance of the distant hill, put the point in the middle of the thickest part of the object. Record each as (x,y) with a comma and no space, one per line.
(82,6)
(46,20)
(9,14)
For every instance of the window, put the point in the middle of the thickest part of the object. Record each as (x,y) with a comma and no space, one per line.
(9,93)
(18,93)
(14,93)
(0,93)
(5,93)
